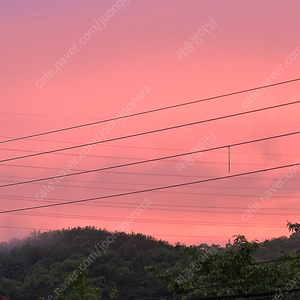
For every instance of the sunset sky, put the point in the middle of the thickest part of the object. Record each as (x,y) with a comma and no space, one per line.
(66,63)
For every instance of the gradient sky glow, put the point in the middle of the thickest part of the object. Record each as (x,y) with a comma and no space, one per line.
(107,68)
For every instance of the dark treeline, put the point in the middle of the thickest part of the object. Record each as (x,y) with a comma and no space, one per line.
(49,263)
(39,264)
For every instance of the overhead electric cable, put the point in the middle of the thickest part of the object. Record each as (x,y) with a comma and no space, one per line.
(160,221)
(150,160)
(248,295)
(151,111)
(134,205)
(149,190)
(144,173)
(157,207)
(149,132)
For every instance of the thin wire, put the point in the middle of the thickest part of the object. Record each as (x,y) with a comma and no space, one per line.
(149,190)
(183,210)
(175,275)
(169,161)
(121,146)
(143,173)
(160,221)
(136,147)
(152,111)
(149,160)
(250,295)
(135,183)
(149,132)
(150,234)
(167,192)
(132,204)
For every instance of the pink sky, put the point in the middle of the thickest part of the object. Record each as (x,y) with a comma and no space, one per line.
(103,69)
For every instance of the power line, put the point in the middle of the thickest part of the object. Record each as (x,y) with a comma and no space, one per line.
(149,160)
(150,132)
(141,184)
(248,295)
(150,234)
(171,161)
(43,115)
(31,228)
(120,173)
(150,111)
(216,297)
(121,205)
(168,192)
(175,275)
(138,147)
(149,190)
(133,205)
(144,173)
(170,294)
(154,148)
(160,221)
(191,289)
(197,272)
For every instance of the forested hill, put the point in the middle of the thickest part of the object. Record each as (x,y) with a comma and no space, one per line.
(37,264)
(44,261)
(271,249)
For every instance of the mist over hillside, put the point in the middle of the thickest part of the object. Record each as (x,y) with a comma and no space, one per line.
(42,263)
